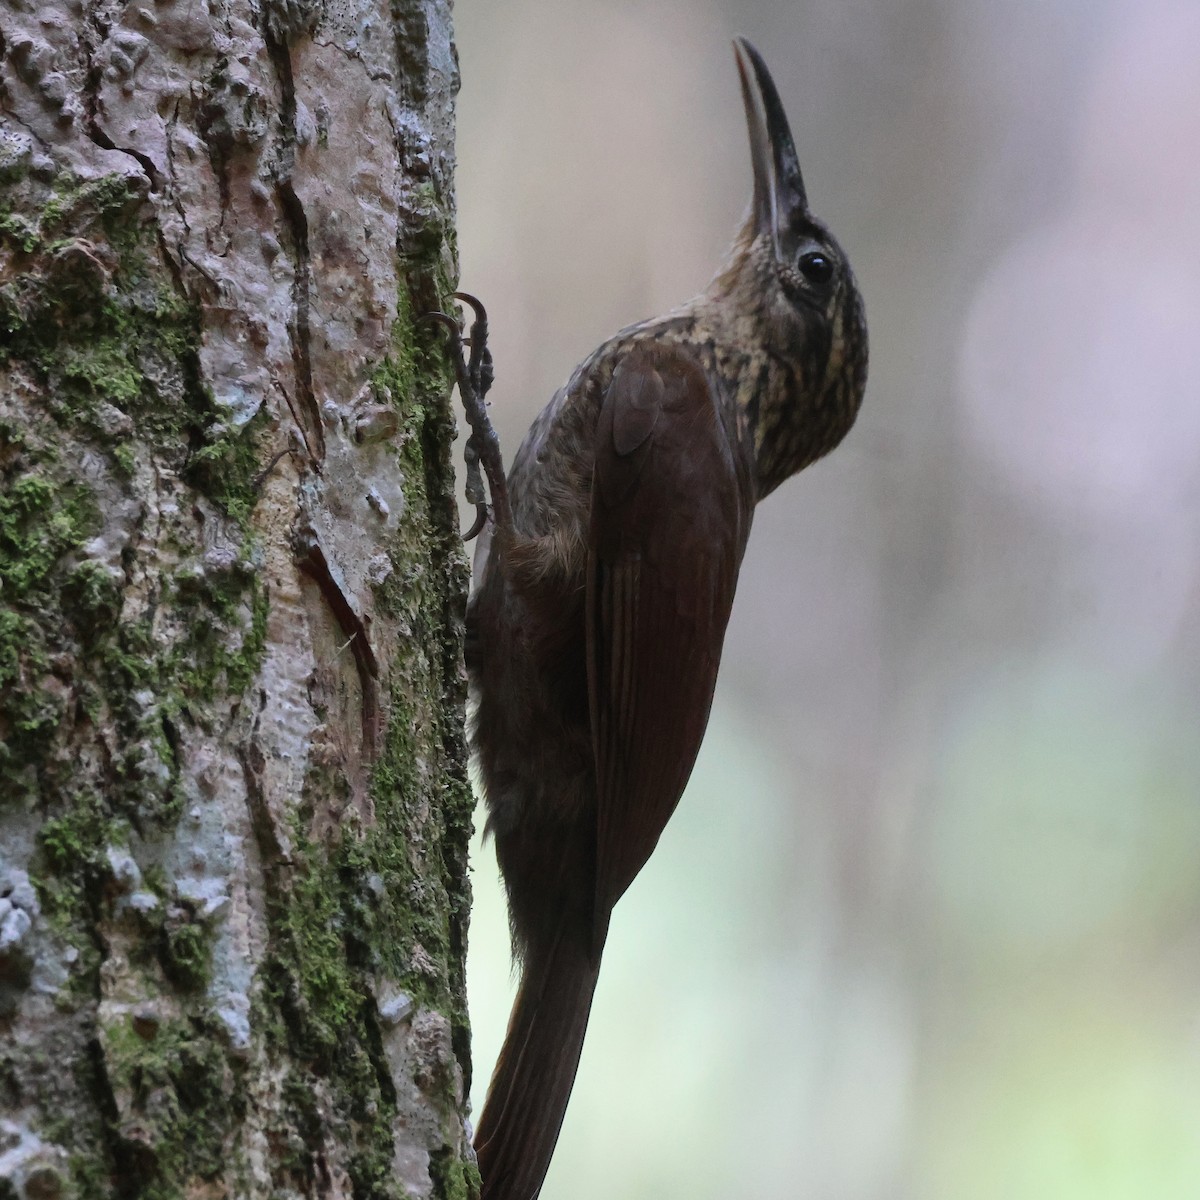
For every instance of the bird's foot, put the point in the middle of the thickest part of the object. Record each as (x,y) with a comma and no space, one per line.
(474,376)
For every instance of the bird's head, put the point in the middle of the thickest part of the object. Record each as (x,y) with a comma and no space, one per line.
(797,298)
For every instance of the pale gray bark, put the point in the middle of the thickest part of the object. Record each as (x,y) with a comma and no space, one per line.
(233,796)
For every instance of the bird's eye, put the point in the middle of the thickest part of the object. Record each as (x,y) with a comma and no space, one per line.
(816,267)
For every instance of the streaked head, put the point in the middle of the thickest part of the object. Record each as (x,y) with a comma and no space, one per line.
(788,274)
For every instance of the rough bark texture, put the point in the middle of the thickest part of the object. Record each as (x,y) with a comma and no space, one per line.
(233,798)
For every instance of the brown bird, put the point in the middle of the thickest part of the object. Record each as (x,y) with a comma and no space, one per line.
(606,579)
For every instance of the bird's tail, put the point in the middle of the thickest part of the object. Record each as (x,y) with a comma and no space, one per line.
(536,1070)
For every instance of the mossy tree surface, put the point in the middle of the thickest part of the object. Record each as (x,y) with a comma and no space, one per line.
(233,797)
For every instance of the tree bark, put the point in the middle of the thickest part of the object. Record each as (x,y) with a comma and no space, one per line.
(233,797)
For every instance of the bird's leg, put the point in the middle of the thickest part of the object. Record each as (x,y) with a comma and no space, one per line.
(474,377)
(483,447)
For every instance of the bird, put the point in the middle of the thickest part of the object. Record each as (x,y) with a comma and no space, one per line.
(606,573)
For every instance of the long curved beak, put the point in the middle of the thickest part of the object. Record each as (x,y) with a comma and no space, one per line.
(778,184)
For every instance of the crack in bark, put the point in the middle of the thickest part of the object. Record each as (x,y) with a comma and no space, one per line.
(315,565)
(174,268)
(376,1053)
(9,115)
(208,113)
(153,174)
(91,108)
(297,219)
(314,462)
(270,848)
(110,1117)
(375,74)
(172,172)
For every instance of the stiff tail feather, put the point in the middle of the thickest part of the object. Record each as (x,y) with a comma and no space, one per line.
(536,1070)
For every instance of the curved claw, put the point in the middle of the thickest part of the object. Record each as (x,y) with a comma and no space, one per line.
(441,318)
(481,516)
(474,377)
(474,303)
(479,365)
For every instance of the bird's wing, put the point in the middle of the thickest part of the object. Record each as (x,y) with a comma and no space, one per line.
(672,500)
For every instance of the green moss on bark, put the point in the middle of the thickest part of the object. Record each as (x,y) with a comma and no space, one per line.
(91,309)
(175,1096)
(99,353)
(105,351)
(90,313)
(384,901)
(42,520)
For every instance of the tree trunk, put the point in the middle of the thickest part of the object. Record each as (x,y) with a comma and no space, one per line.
(233,796)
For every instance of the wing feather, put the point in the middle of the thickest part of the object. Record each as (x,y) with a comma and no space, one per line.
(672,499)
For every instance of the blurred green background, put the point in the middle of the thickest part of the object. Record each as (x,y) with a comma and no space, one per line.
(925,924)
